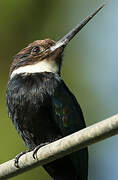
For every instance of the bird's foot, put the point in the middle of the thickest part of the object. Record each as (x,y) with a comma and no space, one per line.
(37,148)
(16,163)
(43,144)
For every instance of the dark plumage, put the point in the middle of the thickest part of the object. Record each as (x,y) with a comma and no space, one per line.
(43,109)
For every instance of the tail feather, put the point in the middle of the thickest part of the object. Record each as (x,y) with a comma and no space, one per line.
(64,169)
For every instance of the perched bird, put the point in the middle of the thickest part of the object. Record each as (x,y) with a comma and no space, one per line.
(42,107)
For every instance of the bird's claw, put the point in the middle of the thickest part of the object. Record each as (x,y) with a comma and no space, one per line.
(37,148)
(18,157)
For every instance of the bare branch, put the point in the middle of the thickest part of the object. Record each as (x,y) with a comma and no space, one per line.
(62,147)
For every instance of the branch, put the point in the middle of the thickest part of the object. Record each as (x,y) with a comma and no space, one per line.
(62,147)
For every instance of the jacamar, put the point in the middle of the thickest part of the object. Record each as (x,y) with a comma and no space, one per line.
(42,107)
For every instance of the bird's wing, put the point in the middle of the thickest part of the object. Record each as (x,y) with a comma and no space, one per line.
(69,117)
(66,111)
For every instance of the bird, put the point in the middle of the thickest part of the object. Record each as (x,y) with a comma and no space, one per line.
(42,107)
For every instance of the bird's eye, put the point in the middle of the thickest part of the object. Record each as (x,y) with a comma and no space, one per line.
(36,49)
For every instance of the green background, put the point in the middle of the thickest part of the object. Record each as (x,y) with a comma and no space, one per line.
(90,69)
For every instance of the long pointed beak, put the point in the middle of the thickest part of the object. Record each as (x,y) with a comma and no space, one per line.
(65,40)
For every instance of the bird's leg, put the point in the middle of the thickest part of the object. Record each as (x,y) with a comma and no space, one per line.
(34,153)
(37,148)
(18,157)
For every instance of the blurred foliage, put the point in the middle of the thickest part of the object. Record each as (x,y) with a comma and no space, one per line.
(90,68)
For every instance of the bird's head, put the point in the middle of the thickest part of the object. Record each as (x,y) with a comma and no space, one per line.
(38,57)
(45,55)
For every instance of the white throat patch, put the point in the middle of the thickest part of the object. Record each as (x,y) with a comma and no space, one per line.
(42,66)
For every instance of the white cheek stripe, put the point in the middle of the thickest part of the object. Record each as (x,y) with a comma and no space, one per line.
(42,66)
